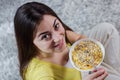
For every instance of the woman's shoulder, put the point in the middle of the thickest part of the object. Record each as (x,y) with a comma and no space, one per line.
(37,69)
(36,64)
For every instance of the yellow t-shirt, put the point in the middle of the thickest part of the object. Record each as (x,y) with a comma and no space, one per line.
(41,70)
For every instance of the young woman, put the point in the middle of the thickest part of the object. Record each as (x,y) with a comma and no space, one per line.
(43,40)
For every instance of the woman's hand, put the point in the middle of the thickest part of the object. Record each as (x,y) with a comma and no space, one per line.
(99,74)
(72,36)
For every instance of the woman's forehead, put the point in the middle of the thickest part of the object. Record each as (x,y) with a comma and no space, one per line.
(47,23)
(48,19)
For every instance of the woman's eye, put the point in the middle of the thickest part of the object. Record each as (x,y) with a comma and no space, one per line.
(45,37)
(56,26)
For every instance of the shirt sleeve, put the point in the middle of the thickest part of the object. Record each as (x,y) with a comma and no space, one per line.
(43,73)
(39,73)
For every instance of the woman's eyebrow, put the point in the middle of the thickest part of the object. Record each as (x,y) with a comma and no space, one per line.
(54,22)
(48,31)
(43,33)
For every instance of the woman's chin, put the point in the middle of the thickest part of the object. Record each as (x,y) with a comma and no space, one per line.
(63,49)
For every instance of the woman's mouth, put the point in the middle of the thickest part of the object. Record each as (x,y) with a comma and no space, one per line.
(60,44)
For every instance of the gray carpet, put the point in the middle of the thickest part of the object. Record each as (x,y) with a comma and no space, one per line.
(80,15)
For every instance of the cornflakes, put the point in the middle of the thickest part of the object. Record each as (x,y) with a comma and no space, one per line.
(86,55)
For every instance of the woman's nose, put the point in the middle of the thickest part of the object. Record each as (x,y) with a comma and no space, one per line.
(56,38)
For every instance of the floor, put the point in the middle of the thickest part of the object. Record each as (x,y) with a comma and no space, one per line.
(80,15)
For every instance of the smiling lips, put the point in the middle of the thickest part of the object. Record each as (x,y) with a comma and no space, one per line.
(59,45)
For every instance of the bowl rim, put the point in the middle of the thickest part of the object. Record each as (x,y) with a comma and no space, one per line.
(94,40)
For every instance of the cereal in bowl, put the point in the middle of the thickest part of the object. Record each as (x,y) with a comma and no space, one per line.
(86,55)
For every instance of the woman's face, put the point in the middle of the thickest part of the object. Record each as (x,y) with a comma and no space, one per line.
(50,36)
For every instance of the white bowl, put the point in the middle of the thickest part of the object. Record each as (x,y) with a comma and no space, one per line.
(86,39)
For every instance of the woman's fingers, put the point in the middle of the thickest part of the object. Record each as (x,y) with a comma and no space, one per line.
(100,74)
(102,77)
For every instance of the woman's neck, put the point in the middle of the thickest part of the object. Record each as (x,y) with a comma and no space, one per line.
(60,58)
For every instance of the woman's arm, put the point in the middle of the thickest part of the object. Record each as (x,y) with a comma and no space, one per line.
(72,36)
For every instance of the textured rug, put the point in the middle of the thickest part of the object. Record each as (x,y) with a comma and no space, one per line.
(80,15)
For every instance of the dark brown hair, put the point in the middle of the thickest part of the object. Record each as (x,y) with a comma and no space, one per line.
(26,18)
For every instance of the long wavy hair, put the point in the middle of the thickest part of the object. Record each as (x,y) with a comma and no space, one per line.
(26,19)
